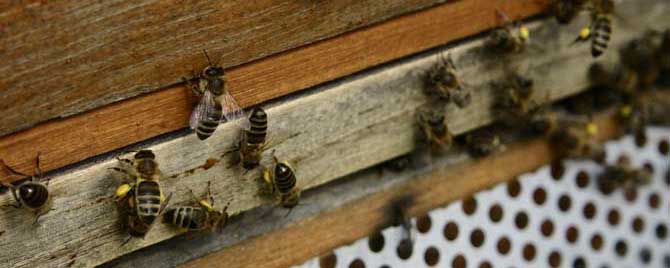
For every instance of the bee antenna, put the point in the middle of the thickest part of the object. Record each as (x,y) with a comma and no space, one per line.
(207,56)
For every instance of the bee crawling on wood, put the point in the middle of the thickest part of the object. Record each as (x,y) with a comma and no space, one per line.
(433,130)
(198,218)
(32,194)
(216,105)
(622,175)
(513,99)
(510,38)
(140,196)
(280,181)
(252,141)
(444,85)
(639,56)
(634,119)
(575,140)
(483,142)
(600,28)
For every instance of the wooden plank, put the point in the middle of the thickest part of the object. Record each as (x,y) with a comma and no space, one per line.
(349,222)
(327,133)
(64,58)
(70,140)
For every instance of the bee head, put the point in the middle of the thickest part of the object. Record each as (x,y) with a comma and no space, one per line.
(212,72)
(145,154)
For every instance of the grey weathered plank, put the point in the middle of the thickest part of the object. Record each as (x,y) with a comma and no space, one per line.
(327,132)
(64,57)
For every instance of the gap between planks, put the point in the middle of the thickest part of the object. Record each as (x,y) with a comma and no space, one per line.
(67,141)
(322,132)
(320,234)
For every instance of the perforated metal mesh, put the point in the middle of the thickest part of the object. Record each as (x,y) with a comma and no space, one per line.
(538,221)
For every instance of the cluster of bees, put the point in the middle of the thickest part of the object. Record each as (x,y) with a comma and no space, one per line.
(140,196)
(644,61)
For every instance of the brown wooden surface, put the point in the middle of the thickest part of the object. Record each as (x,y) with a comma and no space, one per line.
(75,138)
(63,57)
(320,234)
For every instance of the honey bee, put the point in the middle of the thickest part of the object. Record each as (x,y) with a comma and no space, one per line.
(434,131)
(663,56)
(141,196)
(639,56)
(33,194)
(198,218)
(622,175)
(253,139)
(634,118)
(482,142)
(600,28)
(216,105)
(510,38)
(396,214)
(575,140)
(513,102)
(444,85)
(280,182)
(566,10)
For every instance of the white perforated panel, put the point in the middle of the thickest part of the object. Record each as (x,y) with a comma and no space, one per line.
(539,221)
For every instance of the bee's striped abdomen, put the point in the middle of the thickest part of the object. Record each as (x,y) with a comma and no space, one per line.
(602,29)
(284,178)
(259,126)
(34,195)
(192,218)
(148,200)
(208,124)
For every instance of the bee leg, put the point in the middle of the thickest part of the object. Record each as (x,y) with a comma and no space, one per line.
(39,214)
(125,241)
(12,189)
(209,193)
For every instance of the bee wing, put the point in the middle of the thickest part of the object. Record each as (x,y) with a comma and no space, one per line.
(232,111)
(204,108)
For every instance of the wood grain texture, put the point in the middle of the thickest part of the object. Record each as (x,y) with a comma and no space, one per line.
(308,238)
(64,58)
(327,133)
(70,140)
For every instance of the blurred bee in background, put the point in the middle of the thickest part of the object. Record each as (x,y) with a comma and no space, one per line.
(513,99)
(280,181)
(575,140)
(640,58)
(566,10)
(396,214)
(198,218)
(216,105)
(663,56)
(482,142)
(252,141)
(444,85)
(599,30)
(32,194)
(140,195)
(622,175)
(510,38)
(634,119)
(433,130)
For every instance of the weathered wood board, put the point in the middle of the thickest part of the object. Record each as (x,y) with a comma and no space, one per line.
(327,132)
(66,141)
(62,58)
(338,213)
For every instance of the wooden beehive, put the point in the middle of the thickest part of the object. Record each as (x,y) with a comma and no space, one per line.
(86,82)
